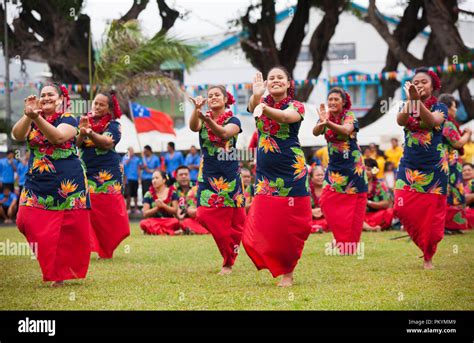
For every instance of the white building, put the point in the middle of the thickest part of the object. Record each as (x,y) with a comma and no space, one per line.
(356,48)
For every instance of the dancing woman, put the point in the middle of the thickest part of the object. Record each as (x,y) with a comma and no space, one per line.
(344,196)
(422,176)
(54,202)
(279,220)
(221,202)
(99,134)
(454,141)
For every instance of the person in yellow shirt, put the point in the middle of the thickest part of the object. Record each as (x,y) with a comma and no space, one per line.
(323,156)
(395,153)
(468,156)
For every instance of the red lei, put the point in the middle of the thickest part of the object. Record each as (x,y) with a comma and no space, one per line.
(330,135)
(282,103)
(220,121)
(155,196)
(99,125)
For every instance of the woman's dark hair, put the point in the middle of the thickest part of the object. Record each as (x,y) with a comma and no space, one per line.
(171,145)
(147,147)
(371,163)
(468,164)
(447,99)
(340,91)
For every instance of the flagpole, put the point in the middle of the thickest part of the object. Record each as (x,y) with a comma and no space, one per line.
(133,121)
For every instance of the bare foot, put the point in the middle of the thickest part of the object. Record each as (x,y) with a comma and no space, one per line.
(286,280)
(428,265)
(8,221)
(226,270)
(378,228)
(57,284)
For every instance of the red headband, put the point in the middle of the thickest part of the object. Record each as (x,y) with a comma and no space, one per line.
(230,99)
(116,110)
(435,80)
(65,93)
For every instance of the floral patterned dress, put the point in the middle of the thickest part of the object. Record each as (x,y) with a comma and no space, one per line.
(151,197)
(104,169)
(346,169)
(281,166)
(56,178)
(219,182)
(424,166)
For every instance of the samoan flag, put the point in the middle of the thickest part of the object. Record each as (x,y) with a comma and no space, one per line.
(148,119)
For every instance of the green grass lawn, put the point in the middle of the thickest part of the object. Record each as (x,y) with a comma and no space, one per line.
(179,273)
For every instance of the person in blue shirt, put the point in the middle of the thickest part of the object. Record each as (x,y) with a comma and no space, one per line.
(22,169)
(173,159)
(131,165)
(151,163)
(9,165)
(8,200)
(192,161)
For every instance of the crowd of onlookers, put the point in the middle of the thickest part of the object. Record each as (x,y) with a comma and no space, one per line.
(138,170)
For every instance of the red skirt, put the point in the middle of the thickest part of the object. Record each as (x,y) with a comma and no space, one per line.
(275,232)
(382,218)
(109,222)
(320,223)
(62,241)
(470,218)
(194,226)
(345,215)
(455,218)
(423,217)
(159,226)
(226,225)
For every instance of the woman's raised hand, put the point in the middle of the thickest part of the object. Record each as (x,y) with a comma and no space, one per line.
(32,109)
(259,86)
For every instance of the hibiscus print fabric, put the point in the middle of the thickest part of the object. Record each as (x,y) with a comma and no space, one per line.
(424,166)
(56,177)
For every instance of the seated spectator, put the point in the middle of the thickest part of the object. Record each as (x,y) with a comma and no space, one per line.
(173,159)
(468,180)
(316,186)
(160,205)
(379,215)
(193,162)
(8,202)
(249,191)
(150,163)
(187,203)
(377,155)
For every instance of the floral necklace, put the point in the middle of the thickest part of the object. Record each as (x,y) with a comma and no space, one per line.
(330,135)
(154,195)
(37,138)
(270,101)
(99,124)
(220,121)
(414,122)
